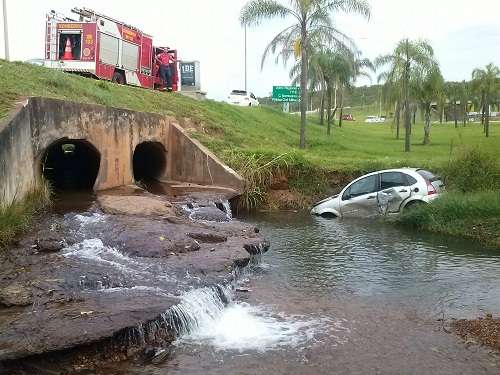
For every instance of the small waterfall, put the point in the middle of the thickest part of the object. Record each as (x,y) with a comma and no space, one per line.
(94,251)
(198,307)
(209,316)
(227,209)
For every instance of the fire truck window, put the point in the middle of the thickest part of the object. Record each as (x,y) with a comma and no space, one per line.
(71,165)
(150,161)
(76,45)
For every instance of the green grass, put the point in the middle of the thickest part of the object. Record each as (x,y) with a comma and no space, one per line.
(16,217)
(354,147)
(262,142)
(471,215)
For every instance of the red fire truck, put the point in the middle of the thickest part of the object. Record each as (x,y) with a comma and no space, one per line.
(99,46)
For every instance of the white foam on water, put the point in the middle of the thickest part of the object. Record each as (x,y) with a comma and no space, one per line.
(140,288)
(202,318)
(91,219)
(241,327)
(93,250)
(227,208)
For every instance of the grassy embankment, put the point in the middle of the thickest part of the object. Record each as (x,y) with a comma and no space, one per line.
(472,208)
(261,143)
(16,217)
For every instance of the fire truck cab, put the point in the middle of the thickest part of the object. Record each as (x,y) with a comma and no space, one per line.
(99,46)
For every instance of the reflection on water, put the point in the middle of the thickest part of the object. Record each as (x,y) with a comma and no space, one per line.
(370,259)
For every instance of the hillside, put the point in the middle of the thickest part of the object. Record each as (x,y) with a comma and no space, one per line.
(247,138)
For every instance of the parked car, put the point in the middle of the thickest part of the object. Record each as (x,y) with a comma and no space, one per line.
(38,62)
(242,98)
(348,118)
(382,193)
(374,119)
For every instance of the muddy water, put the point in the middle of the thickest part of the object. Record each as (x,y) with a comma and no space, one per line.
(346,297)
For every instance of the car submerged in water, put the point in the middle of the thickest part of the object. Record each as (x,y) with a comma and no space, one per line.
(382,193)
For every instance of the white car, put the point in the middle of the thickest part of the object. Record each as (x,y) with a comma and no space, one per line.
(242,98)
(382,193)
(374,119)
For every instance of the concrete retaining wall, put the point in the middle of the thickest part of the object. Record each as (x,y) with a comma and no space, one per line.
(37,123)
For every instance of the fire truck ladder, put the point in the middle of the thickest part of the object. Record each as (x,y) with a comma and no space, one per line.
(51,39)
(51,33)
(92,16)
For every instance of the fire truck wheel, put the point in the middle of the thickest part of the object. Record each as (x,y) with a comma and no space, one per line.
(118,78)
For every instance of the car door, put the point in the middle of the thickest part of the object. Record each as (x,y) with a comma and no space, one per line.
(360,198)
(394,190)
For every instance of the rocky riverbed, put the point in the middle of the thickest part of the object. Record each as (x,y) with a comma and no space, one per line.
(87,287)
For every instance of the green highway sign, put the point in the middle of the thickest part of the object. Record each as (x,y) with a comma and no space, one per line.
(286,93)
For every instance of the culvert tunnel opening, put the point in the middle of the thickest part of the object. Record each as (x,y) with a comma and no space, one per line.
(71,165)
(149,162)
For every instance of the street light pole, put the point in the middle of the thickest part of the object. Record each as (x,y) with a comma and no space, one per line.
(6,30)
(246,88)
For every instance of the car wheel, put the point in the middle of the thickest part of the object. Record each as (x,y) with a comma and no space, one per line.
(328,215)
(118,78)
(413,205)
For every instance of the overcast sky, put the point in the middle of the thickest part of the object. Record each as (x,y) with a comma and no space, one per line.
(464,33)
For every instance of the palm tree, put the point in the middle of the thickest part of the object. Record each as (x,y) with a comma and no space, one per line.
(312,24)
(427,87)
(487,82)
(407,57)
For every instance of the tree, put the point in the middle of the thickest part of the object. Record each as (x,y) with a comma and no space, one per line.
(408,57)
(427,87)
(312,24)
(487,82)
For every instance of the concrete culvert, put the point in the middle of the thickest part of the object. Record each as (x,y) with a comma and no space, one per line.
(71,164)
(150,161)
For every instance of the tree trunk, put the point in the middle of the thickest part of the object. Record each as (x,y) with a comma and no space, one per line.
(303,85)
(329,110)
(398,118)
(455,113)
(322,107)
(465,115)
(441,115)
(415,115)
(482,110)
(407,100)
(427,124)
(487,116)
(341,91)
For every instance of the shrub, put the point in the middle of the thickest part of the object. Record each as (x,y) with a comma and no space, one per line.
(473,170)
(16,217)
(473,215)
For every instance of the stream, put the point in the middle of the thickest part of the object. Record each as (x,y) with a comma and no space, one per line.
(342,297)
(330,297)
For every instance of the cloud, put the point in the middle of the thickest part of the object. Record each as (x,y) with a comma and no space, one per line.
(209,31)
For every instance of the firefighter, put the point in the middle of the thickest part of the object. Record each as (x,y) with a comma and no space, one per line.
(164,60)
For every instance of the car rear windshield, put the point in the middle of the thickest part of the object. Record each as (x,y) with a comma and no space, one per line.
(238,92)
(429,176)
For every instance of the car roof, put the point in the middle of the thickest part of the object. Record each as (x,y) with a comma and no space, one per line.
(405,169)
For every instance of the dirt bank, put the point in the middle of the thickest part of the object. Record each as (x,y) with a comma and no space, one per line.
(101,276)
(485,331)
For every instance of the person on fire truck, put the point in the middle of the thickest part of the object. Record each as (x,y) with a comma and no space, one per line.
(164,60)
